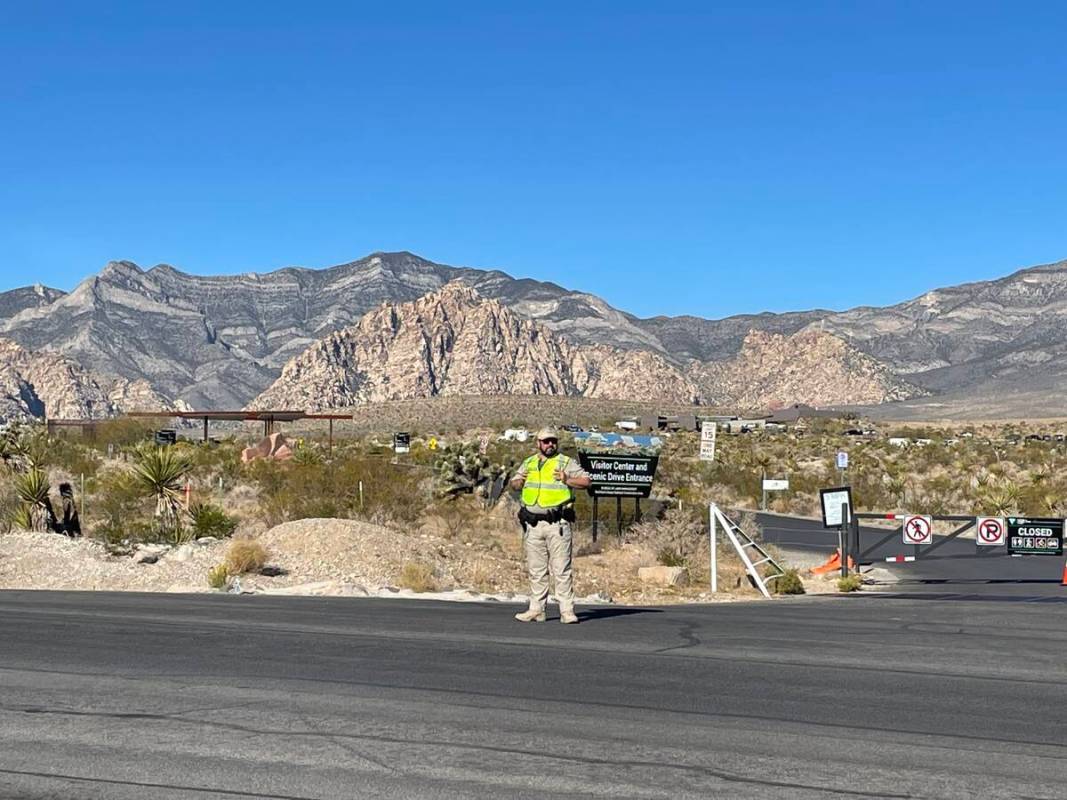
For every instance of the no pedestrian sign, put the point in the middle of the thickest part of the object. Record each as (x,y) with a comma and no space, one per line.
(918,529)
(990,532)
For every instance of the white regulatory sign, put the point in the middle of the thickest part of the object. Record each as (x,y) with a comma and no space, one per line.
(842,460)
(832,500)
(990,532)
(918,529)
(775,485)
(707,441)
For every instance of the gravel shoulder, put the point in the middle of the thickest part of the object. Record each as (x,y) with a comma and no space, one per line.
(335,557)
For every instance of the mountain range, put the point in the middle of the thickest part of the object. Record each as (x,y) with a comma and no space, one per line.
(393,325)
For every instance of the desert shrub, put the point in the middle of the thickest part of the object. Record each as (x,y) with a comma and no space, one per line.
(73,457)
(214,460)
(418,577)
(307,454)
(218,577)
(678,537)
(117,508)
(206,519)
(123,432)
(9,504)
(789,583)
(669,557)
(303,491)
(246,555)
(853,583)
(588,548)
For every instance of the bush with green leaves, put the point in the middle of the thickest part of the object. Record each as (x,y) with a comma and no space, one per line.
(207,519)
(789,583)
(119,509)
(390,491)
(218,577)
(852,583)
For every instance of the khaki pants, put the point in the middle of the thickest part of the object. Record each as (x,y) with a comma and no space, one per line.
(548,550)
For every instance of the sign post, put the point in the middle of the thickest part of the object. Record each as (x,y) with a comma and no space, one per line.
(842,464)
(846,516)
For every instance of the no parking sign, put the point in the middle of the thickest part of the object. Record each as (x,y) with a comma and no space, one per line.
(918,529)
(990,532)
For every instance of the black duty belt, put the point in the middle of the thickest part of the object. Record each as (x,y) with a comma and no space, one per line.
(553,515)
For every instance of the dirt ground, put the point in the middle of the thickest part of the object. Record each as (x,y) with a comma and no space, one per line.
(346,557)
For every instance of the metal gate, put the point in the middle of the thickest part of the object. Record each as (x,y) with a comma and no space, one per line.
(859,545)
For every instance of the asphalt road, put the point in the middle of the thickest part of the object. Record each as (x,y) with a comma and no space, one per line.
(956,568)
(171,696)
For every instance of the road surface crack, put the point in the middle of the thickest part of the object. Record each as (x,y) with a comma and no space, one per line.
(498,749)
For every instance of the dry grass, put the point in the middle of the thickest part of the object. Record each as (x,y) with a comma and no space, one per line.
(246,555)
(418,577)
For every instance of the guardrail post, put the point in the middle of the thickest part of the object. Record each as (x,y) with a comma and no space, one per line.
(712,548)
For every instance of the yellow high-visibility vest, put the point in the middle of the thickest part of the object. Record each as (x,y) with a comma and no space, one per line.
(541,487)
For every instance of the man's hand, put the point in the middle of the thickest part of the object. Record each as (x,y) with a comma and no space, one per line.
(560,476)
(517,482)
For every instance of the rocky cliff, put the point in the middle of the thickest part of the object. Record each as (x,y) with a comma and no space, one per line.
(37,385)
(455,342)
(812,367)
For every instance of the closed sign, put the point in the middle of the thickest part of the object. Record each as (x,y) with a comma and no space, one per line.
(1035,537)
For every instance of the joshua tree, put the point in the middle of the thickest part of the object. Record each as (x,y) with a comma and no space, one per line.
(462,469)
(159,471)
(898,486)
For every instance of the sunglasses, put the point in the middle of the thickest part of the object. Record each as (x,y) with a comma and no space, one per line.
(548,441)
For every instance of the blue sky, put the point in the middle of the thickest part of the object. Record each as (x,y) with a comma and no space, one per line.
(698,158)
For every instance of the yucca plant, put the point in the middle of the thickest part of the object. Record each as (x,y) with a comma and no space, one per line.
(37,513)
(159,471)
(307,455)
(23,448)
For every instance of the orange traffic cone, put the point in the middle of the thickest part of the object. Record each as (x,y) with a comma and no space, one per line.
(834,562)
(1064,581)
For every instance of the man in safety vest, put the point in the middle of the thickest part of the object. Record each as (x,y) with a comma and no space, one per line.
(548,480)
